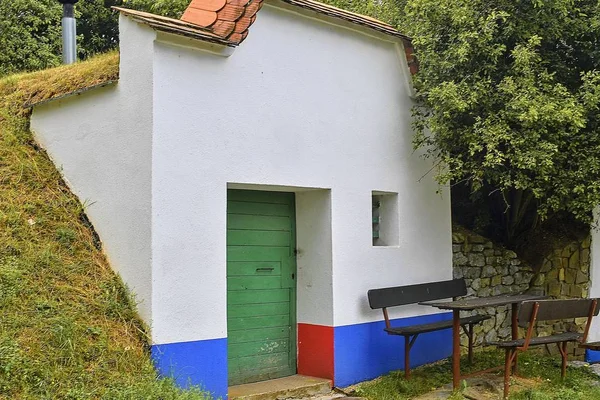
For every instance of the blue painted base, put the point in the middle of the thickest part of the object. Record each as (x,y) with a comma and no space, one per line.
(365,351)
(592,356)
(202,363)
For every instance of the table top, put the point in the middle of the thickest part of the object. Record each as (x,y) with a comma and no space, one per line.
(482,302)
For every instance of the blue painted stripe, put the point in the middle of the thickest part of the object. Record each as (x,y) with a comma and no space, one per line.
(365,351)
(592,356)
(202,363)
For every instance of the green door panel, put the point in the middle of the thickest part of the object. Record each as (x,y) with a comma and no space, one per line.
(262,347)
(258,222)
(242,207)
(253,282)
(256,196)
(261,288)
(271,365)
(256,253)
(258,310)
(258,238)
(255,268)
(259,334)
(257,296)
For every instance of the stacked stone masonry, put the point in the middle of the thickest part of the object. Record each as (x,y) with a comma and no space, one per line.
(489,270)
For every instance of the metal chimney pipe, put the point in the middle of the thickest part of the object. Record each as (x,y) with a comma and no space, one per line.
(69,31)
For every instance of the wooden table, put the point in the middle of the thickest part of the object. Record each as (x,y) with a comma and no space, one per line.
(471,304)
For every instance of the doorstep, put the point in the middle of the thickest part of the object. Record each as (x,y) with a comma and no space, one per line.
(295,386)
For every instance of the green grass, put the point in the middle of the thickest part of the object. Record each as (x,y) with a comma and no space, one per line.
(580,383)
(68,328)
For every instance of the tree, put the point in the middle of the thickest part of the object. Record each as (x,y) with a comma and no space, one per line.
(508,97)
(31,32)
(167,8)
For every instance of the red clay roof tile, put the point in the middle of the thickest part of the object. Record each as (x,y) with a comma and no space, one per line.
(230,12)
(208,5)
(223,28)
(229,19)
(199,17)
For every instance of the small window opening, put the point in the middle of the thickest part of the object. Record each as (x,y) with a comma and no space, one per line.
(385,218)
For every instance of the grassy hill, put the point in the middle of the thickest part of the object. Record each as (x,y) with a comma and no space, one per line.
(68,329)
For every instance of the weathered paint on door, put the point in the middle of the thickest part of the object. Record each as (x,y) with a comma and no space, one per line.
(261,288)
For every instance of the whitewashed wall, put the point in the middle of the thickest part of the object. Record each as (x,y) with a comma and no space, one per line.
(300,104)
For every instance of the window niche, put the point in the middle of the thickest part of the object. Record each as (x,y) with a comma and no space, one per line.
(385,218)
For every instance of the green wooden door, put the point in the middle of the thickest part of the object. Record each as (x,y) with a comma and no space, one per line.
(261,287)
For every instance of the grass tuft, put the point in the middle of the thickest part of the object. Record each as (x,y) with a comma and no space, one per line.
(68,328)
(580,383)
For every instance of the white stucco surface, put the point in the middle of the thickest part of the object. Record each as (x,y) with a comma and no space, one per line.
(101,141)
(314,258)
(300,104)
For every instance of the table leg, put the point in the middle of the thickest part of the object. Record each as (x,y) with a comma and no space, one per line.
(455,349)
(515,334)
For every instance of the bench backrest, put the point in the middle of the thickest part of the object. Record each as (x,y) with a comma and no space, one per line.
(402,295)
(557,309)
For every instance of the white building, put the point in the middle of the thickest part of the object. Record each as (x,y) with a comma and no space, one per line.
(250,195)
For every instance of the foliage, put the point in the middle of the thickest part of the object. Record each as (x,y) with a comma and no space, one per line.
(68,328)
(580,383)
(29,35)
(390,11)
(508,99)
(30,32)
(167,8)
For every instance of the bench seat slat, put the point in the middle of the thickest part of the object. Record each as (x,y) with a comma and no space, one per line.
(434,326)
(562,337)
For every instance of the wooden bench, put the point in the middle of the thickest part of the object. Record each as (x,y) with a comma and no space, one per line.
(412,294)
(544,310)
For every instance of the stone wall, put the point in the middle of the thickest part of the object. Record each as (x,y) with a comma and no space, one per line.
(491,270)
(566,273)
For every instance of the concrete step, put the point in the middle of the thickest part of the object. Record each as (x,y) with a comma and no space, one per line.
(290,387)
(329,396)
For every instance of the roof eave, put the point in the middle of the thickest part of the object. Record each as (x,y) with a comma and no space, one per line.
(70,94)
(339,15)
(174,26)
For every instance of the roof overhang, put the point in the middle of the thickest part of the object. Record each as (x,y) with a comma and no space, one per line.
(30,104)
(174,26)
(340,15)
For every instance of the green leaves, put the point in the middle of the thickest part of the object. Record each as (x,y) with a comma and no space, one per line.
(512,91)
(31,33)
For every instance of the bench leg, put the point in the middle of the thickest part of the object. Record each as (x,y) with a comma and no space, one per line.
(408,344)
(470,343)
(515,333)
(469,332)
(562,347)
(508,361)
